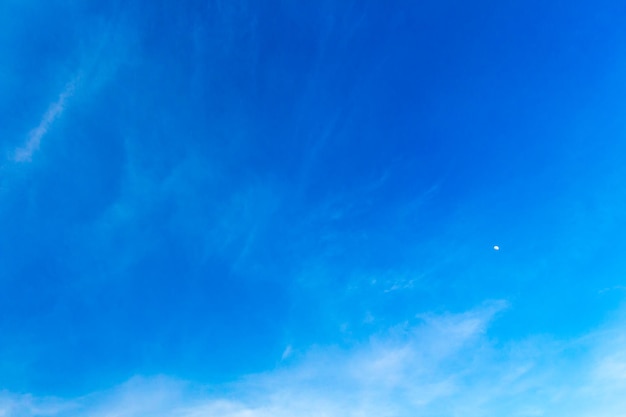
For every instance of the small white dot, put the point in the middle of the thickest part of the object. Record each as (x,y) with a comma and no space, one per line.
(496,247)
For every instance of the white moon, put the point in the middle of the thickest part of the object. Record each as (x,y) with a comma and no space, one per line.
(496,247)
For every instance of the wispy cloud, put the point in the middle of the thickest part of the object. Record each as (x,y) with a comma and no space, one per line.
(444,365)
(406,368)
(13,405)
(25,153)
(99,57)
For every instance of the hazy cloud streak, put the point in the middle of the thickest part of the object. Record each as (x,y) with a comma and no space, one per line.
(446,365)
(25,153)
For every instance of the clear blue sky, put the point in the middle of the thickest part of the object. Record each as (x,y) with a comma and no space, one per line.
(280,208)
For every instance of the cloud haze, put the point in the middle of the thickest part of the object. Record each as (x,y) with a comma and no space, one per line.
(440,365)
(25,152)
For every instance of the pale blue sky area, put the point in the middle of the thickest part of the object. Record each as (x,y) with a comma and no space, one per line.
(280,208)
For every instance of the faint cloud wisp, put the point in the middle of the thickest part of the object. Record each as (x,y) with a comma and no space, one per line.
(445,365)
(25,153)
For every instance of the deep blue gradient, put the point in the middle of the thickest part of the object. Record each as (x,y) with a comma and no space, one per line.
(225,179)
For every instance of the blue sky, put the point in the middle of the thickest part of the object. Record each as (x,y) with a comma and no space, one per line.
(241,208)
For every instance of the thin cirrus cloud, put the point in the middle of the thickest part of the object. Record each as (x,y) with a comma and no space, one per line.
(444,365)
(25,153)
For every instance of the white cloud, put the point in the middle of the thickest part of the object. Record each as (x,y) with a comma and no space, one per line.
(25,153)
(12,405)
(391,371)
(445,365)
(100,57)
